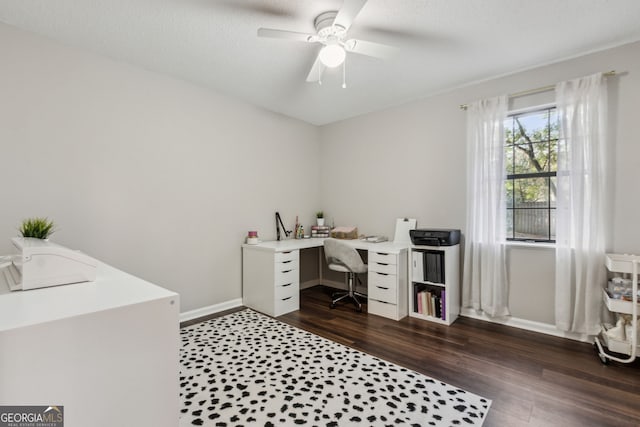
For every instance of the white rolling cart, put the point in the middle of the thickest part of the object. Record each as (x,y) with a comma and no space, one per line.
(629,264)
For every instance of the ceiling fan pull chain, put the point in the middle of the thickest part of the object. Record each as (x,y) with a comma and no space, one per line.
(319,74)
(344,74)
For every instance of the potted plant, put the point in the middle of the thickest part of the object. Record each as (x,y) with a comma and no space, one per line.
(320,218)
(38,228)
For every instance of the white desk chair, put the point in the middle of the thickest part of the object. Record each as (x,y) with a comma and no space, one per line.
(346,259)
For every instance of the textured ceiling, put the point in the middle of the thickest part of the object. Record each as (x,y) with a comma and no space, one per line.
(441,43)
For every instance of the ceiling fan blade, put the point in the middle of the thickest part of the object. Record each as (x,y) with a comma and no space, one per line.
(376,50)
(255,7)
(288,35)
(348,12)
(316,71)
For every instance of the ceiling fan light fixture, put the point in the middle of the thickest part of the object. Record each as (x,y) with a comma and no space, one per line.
(332,55)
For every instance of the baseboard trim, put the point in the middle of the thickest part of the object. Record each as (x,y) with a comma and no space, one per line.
(211,309)
(516,322)
(330,283)
(529,325)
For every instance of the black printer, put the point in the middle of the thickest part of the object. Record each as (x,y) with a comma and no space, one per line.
(434,237)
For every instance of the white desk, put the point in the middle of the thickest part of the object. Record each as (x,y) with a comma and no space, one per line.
(105,350)
(271,276)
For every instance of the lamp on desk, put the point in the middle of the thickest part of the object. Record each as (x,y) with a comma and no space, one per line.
(280,224)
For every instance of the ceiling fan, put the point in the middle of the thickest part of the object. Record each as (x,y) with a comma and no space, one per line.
(331,33)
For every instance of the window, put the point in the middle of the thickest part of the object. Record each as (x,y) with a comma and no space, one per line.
(531,157)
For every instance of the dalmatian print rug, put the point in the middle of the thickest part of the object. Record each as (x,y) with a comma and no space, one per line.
(247,369)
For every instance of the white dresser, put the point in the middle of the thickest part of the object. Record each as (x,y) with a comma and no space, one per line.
(387,283)
(271,278)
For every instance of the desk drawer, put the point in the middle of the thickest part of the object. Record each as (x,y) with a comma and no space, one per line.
(286,290)
(286,305)
(286,277)
(287,256)
(382,293)
(290,264)
(382,279)
(383,267)
(383,309)
(383,258)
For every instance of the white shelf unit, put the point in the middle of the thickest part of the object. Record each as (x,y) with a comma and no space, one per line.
(627,264)
(442,281)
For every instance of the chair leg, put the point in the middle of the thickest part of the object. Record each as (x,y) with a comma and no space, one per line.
(339,296)
(354,298)
(342,296)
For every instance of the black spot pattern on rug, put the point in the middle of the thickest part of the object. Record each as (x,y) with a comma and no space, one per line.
(249,369)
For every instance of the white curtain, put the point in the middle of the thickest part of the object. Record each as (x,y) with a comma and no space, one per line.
(485,285)
(581,203)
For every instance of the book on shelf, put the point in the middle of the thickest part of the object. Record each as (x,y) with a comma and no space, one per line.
(426,307)
(430,303)
(436,307)
(433,266)
(443,304)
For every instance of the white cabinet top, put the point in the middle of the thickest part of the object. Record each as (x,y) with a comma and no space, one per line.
(287,245)
(295,244)
(113,288)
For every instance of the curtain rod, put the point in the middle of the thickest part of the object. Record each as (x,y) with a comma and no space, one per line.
(538,90)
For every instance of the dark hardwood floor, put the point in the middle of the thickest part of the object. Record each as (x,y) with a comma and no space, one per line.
(533,379)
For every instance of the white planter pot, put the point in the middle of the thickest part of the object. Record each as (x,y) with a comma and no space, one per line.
(320,221)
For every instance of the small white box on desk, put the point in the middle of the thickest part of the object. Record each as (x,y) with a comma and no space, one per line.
(39,263)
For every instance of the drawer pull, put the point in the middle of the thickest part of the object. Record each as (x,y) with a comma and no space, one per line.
(382,287)
(286,271)
(382,274)
(284,299)
(286,252)
(382,253)
(382,263)
(288,284)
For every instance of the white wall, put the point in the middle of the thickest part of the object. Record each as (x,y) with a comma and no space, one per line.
(163,179)
(148,173)
(410,161)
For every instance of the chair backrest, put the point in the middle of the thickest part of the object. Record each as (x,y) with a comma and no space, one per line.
(337,252)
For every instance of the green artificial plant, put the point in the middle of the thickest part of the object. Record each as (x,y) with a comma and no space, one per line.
(39,228)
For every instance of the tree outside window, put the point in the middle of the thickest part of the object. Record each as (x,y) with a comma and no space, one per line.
(531,157)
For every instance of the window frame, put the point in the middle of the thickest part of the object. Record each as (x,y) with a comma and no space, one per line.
(513,177)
